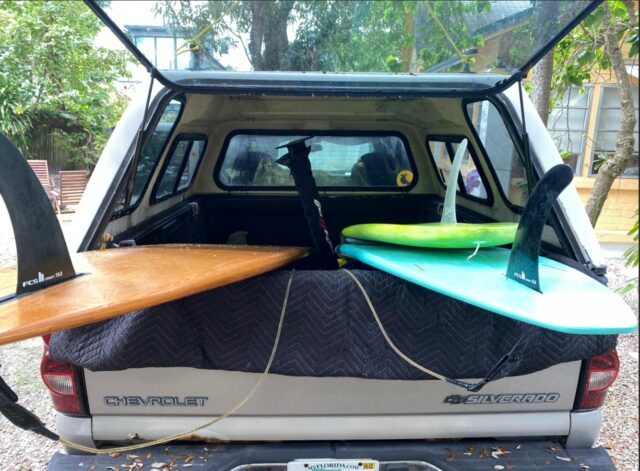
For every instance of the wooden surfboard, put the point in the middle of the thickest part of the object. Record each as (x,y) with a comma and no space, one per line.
(570,301)
(116,281)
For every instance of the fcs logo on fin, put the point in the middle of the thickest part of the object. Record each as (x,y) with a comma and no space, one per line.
(41,278)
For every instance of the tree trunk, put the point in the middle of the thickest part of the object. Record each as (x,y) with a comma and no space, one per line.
(541,82)
(408,48)
(276,42)
(258,16)
(614,166)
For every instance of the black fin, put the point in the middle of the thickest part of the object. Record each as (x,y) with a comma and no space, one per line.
(523,262)
(297,160)
(43,257)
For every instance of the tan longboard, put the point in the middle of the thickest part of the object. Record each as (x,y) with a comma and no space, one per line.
(116,281)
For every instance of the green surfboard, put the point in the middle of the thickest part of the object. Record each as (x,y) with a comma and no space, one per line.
(435,235)
(446,234)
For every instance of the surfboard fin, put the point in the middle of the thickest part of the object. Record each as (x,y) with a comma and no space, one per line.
(43,257)
(523,261)
(297,160)
(449,207)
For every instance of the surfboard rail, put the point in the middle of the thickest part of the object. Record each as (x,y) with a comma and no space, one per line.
(121,280)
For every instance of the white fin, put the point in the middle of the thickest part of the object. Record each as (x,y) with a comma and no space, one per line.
(449,208)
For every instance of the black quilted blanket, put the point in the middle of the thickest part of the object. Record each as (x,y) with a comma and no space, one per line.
(328,331)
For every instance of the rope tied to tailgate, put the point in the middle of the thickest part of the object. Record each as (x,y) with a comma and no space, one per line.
(506,364)
(252,392)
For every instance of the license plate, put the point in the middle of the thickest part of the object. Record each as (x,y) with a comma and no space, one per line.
(333,465)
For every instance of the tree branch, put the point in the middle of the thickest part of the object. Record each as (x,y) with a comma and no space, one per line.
(614,166)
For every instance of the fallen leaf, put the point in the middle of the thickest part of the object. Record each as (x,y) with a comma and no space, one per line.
(159,464)
(498,466)
(483,453)
(166,451)
(555,448)
(149,455)
(547,462)
(450,457)
(91,468)
(510,466)
(518,447)
(132,457)
(115,454)
(187,465)
(584,466)
(471,448)
(113,468)
(563,458)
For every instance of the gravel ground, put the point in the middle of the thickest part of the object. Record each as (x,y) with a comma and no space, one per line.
(19,366)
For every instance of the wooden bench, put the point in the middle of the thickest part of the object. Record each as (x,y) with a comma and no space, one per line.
(41,169)
(72,185)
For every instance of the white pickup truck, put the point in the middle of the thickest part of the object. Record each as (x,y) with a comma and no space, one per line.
(336,396)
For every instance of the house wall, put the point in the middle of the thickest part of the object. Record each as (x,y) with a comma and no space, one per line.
(618,213)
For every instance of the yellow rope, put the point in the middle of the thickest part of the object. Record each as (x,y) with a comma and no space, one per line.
(231,411)
(444,30)
(386,336)
(185,46)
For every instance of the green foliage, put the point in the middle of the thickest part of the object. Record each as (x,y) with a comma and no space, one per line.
(445,25)
(582,52)
(633,41)
(338,35)
(53,76)
(632,257)
(600,159)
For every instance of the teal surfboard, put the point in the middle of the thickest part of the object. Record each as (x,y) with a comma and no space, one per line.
(570,302)
(446,234)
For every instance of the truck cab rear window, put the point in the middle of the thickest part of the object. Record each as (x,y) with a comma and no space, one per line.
(182,164)
(470,181)
(380,161)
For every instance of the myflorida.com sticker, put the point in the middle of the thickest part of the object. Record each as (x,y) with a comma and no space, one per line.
(333,465)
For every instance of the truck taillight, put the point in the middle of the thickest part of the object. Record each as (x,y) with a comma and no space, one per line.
(602,371)
(60,379)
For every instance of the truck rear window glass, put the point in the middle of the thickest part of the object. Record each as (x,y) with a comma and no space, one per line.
(182,164)
(500,149)
(380,161)
(151,153)
(470,181)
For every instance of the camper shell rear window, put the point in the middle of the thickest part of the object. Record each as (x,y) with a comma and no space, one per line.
(339,160)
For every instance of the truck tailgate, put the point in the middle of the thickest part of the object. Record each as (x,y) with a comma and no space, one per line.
(393,456)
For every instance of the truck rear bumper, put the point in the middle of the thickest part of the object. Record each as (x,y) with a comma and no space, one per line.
(405,455)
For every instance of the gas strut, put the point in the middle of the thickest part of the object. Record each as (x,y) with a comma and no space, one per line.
(297,161)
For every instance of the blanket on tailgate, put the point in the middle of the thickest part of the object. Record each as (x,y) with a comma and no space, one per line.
(328,331)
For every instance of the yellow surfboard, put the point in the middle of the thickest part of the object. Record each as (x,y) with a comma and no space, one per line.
(116,281)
